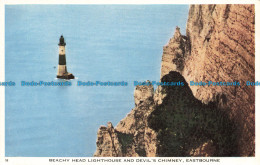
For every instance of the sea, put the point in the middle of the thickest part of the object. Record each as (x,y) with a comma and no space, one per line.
(103,43)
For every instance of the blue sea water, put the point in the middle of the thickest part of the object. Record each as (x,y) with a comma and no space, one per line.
(104,43)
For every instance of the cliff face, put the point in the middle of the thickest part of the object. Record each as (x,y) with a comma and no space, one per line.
(222,41)
(195,120)
(132,136)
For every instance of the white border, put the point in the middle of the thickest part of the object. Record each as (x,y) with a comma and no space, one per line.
(45,160)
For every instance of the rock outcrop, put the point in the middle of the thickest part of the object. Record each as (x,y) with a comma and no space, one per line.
(132,136)
(186,120)
(173,53)
(107,142)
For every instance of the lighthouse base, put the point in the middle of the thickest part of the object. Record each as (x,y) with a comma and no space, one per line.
(66,76)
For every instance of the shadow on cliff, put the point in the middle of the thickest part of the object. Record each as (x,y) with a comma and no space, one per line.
(186,127)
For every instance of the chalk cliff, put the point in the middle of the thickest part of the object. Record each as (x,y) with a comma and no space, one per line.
(133,134)
(186,120)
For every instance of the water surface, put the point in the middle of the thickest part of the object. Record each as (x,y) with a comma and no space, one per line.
(104,43)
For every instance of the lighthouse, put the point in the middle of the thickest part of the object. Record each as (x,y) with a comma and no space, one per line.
(62,68)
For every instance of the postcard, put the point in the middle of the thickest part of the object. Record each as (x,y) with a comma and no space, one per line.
(86,82)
